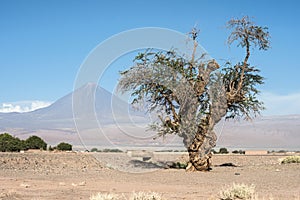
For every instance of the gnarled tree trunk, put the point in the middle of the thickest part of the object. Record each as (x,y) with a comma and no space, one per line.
(199,151)
(198,160)
(199,148)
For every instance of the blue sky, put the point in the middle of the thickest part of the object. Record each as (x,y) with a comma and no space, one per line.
(43,43)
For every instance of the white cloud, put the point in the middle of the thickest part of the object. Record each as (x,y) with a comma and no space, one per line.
(277,104)
(23,106)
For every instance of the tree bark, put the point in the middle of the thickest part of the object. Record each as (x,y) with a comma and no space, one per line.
(199,159)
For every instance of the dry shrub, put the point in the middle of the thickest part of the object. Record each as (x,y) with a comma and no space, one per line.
(145,196)
(133,196)
(238,191)
(106,196)
(291,159)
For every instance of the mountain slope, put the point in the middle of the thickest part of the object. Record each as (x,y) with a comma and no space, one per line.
(280,132)
(92,116)
(89,102)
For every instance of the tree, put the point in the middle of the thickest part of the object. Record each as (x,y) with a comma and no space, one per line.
(94,150)
(235,152)
(238,152)
(51,148)
(223,151)
(9,143)
(64,146)
(191,94)
(35,142)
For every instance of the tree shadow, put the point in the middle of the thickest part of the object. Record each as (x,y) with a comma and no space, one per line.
(226,165)
(146,165)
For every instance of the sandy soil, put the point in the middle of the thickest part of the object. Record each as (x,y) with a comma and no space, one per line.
(47,175)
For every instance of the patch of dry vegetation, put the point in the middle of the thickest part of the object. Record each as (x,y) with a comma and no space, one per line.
(105,196)
(238,191)
(145,196)
(133,196)
(291,159)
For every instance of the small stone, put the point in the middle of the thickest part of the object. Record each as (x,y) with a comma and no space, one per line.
(73,184)
(25,185)
(237,174)
(277,170)
(83,183)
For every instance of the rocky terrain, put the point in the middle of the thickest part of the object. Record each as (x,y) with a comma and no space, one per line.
(44,175)
(48,163)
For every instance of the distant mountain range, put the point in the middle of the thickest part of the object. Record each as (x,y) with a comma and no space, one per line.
(93,117)
(90,116)
(267,132)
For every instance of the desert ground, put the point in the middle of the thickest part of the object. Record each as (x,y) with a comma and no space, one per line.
(57,175)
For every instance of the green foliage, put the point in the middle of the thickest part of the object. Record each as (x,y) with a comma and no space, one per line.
(238,191)
(35,142)
(241,80)
(157,75)
(112,150)
(214,151)
(51,148)
(238,152)
(155,65)
(245,102)
(291,159)
(179,165)
(223,151)
(282,151)
(246,33)
(9,143)
(64,146)
(191,92)
(94,150)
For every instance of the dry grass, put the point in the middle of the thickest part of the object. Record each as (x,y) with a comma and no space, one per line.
(291,159)
(106,196)
(233,192)
(145,196)
(133,196)
(238,191)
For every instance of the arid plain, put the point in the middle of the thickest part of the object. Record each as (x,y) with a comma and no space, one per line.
(57,175)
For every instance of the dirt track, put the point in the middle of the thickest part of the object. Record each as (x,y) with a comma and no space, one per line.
(79,175)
